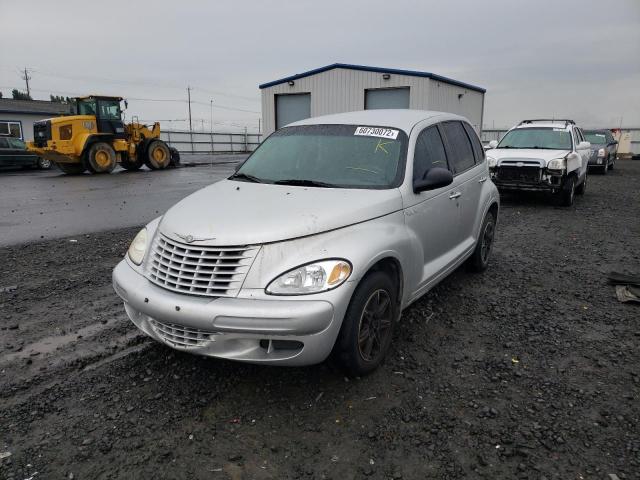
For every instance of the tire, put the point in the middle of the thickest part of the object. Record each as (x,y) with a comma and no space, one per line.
(101,158)
(132,165)
(157,155)
(612,163)
(43,163)
(479,259)
(605,167)
(583,186)
(71,168)
(175,157)
(567,194)
(359,348)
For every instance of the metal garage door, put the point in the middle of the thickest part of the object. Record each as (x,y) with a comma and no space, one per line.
(291,108)
(386,98)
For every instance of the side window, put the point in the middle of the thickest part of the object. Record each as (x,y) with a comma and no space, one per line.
(16,143)
(429,153)
(4,143)
(458,146)
(478,151)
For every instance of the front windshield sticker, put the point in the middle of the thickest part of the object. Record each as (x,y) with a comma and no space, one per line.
(377,132)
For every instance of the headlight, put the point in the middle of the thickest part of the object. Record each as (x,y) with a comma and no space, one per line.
(492,162)
(557,164)
(601,153)
(311,278)
(138,247)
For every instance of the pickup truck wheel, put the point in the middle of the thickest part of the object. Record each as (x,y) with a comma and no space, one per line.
(567,194)
(71,168)
(44,164)
(365,336)
(479,260)
(101,158)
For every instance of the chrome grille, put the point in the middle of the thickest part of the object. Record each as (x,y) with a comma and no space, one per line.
(181,336)
(198,270)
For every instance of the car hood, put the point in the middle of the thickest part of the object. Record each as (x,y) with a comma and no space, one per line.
(242,213)
(539,155)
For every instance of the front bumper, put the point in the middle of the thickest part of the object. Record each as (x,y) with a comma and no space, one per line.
(253,327)
(545,181)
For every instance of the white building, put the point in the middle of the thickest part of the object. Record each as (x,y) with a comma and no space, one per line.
(17,116)
(342,88)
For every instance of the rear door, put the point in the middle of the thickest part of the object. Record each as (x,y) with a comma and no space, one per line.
(469,175)
(19,153)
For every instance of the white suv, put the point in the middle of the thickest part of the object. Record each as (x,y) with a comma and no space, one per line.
(541,155)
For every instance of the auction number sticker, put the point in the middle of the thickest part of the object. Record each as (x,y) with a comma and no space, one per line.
(377,132)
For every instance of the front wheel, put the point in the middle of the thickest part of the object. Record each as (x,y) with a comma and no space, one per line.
(479,260)
(568,192)
(365,336)
(583,186)
(101,158)
(158,156)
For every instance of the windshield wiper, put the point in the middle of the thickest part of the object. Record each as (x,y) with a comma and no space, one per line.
(304,183)
(246,177)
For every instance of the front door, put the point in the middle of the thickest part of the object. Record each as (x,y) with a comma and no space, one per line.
(433,216)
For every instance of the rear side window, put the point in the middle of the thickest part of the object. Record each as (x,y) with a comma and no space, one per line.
(429,153)
(478,151)
(458,146)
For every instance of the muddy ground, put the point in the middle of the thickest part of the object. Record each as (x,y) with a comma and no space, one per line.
(530,370)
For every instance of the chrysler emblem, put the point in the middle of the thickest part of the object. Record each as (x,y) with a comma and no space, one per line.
(191,238)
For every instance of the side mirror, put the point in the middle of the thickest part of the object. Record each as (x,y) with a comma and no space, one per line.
(584,145)
(493,144)
(436,177)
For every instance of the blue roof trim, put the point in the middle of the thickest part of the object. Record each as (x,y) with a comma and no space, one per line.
(366,68)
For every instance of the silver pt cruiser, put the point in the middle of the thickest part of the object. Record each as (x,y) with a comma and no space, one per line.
(317,243)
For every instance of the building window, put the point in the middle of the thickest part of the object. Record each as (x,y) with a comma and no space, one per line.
(11,128)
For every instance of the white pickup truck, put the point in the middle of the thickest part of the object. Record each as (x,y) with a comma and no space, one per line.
(541,155)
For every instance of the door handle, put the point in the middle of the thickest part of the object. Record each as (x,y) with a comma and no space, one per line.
(483,179)
(453,195)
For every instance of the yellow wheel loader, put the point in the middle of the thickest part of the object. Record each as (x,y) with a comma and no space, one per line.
(96,139)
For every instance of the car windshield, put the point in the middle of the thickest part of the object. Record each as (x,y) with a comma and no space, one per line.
(547,138)
(595,137)
(341,156)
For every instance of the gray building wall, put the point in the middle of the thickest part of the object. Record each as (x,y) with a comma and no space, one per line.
(343,90)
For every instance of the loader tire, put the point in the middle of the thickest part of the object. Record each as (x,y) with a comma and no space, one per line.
(158,156)
(132,165)
(71,168)
(101,158)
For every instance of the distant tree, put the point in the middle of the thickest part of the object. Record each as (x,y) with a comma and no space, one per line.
(18,95)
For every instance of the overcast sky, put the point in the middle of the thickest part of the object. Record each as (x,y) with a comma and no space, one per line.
(579,59)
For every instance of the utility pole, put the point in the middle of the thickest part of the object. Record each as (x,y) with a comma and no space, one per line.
(26,78)
(189,96)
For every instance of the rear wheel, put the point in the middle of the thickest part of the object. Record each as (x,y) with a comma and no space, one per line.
(71,168)
(158,156)
(44,164)
(479,260)
(101,158)
(365,336)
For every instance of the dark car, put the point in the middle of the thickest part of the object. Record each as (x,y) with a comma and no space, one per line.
(604,149)
(14,153)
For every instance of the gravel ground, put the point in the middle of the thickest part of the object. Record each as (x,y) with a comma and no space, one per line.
(530,370)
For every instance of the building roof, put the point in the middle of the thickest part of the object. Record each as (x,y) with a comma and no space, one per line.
(403,119)
(35,107)
(366,68)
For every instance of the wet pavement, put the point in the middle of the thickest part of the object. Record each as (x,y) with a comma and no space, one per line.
(39,205)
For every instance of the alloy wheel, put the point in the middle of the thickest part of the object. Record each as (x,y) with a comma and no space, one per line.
(375,325)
